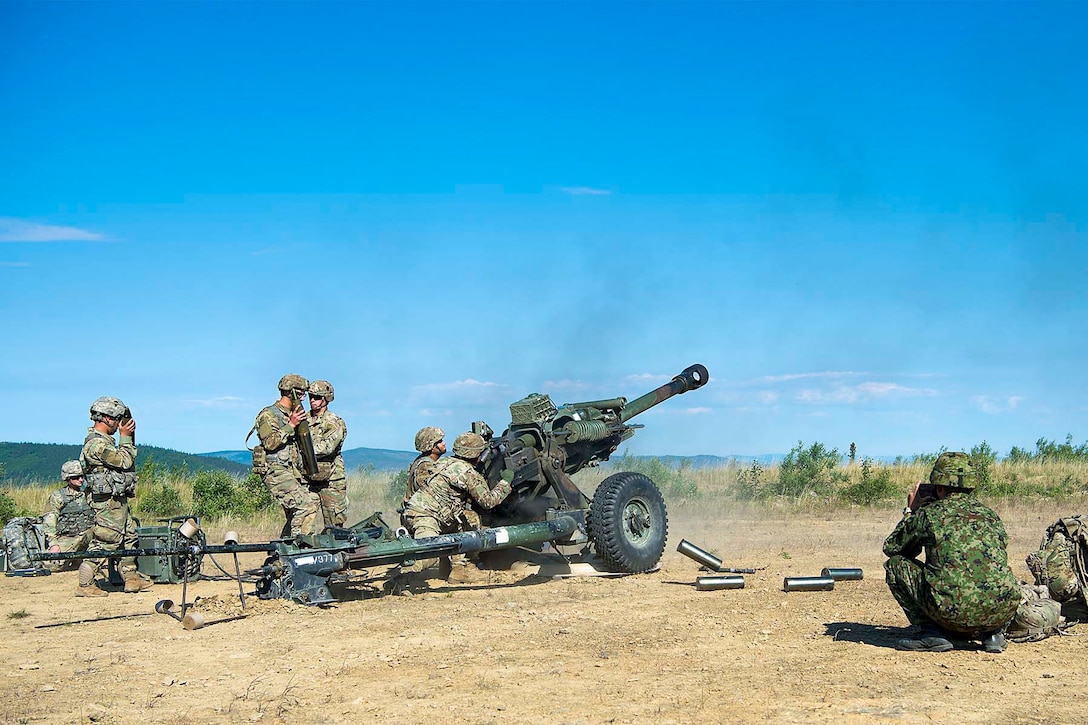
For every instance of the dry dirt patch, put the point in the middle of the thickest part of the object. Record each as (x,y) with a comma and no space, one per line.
(532,649)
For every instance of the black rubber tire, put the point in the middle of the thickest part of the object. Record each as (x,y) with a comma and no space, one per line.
(628,523)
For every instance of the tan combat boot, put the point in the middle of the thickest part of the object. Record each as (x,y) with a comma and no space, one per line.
(87,586)
(466,574)
(135,583)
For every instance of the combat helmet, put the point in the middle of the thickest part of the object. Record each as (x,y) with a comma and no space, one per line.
(291,382)
(107,407)
(427,437)
(469,445)
(954,470)
(324,389)
(71,469)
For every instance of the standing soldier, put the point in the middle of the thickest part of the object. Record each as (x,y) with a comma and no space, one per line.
(439,505)
(431,444)
(69,522)
(965,588)
(111,478)
(277,459)
(328,431)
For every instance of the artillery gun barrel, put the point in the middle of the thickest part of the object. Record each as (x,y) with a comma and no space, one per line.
(503,537)
(693,377)
(193,550)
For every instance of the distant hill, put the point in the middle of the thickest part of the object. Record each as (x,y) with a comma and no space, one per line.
(26,463)
(378,459)
(382,459)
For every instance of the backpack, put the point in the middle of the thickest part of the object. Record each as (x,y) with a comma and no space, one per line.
(1037,617)
(22,535)
(1060,562)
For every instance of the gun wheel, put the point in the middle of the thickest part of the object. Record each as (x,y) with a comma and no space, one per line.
(628,523)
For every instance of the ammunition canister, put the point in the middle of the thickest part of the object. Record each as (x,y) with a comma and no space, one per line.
(713,583)
(839,574)
(808,584)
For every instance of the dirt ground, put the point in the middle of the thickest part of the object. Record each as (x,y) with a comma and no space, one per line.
(525,648)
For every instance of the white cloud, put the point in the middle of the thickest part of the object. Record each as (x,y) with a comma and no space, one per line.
(565,385)
(585,191)
(647,379)
(698,411)
(223,401)
(436,412)
(14,264)
(468,391)
(828,374)
(994,405)
(862,392)
(18,230)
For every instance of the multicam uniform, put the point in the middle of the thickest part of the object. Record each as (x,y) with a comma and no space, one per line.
(418,471)
(328,431)
(69,524)
(111,479)
(439,506)
(965,585)
(282,471)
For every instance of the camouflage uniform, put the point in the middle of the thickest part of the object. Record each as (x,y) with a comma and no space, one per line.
(965,585)
(283,471)
(69,524)
(111,477)
(328,431)
(439,506)
(418,471)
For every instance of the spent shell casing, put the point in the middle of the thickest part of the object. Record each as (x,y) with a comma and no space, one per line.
(841,574)
(705,558)
(713,583)
(808,584)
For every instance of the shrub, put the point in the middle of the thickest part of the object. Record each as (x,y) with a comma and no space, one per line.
(8,509)
(398,484)
(811,470)
(750,482)
(983,458)
(875,485)
(673,482)
(162,501)
(217,494)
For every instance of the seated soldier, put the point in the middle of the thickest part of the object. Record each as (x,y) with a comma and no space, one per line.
(69,522)
(965,588)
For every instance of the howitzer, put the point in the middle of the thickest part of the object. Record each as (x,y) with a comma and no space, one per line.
(299,568)
(626,521)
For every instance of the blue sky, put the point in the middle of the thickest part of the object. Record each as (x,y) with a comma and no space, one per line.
(868,220)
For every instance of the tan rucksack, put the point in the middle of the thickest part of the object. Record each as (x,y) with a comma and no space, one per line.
(1060,564)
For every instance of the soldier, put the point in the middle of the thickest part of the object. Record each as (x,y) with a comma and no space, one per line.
(278,461)
(438,506)
(69,522)
(965,588)
(431,444)
(328,431)
(110,471)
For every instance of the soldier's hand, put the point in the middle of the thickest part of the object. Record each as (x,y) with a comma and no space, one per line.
(54,549)
(297,416)
(128,428)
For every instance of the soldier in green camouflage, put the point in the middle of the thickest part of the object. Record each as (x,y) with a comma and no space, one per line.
(110,470)
(431,444)
(278,461)
(965,589)
(69,523)
(439,506)
(328,431)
